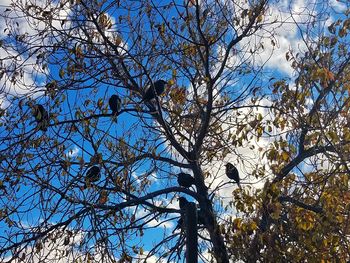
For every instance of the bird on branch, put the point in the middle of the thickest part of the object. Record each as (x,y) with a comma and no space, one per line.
(182,202)
(154,90)
(185,180)
(115,105)
(41,116)
(232,173)
(92,175)
(179,225)
(201,217)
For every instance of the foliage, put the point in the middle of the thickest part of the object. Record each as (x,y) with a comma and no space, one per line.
(220,105)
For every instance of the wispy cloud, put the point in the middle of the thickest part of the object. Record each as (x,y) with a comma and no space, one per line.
(73,152)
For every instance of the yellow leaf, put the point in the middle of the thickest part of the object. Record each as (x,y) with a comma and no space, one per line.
(285,156)
(260,131)
(272,154)
(61,73)
(253,226)
(171,82)
(260,18)
(100,103)
(237,222)
(346,134)
(325,243)
(333,136)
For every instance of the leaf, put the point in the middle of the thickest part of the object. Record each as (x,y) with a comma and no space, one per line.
(174,73)
(61,73)
(259,131)
(260,18)
(287,56)
(285,156)
(103,197)
(118,41)
(77,114)
(237,223)
(100,103)
(333,135)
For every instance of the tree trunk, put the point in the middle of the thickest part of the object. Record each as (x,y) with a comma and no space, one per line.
(191,233)
(219,247)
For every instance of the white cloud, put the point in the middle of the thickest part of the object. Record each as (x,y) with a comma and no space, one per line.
(56,247)
(23,70)
(245,157)
(150,259)
(73,152)
(21,74)
(279,34)
(338,5)
(146,215)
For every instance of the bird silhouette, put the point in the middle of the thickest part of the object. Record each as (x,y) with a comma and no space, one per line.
(115,104)
(185,180)
(92,175)
(182,202)
(201,217)
(179,225)
(232,173)
(41,116)
(155,90)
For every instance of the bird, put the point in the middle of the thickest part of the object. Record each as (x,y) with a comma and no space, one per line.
(265,222)
(179,225)
(182,202)
(185,180)
(200,217)
(41,116)
(232,173)
(115,104)
(92,175)
(158,87)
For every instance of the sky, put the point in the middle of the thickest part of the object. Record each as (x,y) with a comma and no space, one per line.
(272,57)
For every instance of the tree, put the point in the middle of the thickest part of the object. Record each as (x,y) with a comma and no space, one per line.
(303,207)
(72,56)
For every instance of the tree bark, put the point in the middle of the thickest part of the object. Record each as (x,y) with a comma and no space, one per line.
(206,207)
(191,233)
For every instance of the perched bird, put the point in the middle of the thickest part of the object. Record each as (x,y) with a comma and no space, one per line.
(182,202)
(232,173)
(92,175)
(201,217)
(265,222)
(185,180)
(115,104)
(158,87)
(41,116)
(179,225)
